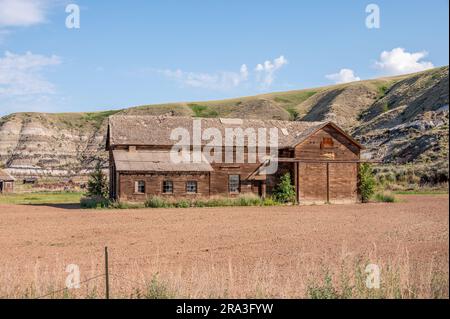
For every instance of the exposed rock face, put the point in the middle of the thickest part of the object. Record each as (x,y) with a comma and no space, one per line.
(400,120)
(43,141)
(410,122)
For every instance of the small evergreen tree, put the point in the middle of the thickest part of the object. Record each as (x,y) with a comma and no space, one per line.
(97,185)
(285,191)
(367,182)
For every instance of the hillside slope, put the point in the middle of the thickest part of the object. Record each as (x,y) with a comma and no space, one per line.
(400,120)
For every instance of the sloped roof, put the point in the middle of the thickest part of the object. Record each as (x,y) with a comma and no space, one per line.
(5,176)
(156,161)
(156,130)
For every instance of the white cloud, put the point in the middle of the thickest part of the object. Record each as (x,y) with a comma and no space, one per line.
(343,76)
(398,61)
(225,80)
(216,81)
(15,13)
(265,73)
(22,75)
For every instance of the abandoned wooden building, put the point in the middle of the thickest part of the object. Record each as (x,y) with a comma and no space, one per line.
(321,158)
(6,182)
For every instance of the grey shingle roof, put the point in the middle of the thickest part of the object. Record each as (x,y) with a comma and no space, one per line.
(156,161)
(154,130)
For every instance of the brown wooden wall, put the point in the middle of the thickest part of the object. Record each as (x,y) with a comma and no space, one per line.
(343,181)
(7,187)
(219,178)
(154,185)
(343,148)
(327,182)
(312,182)
(317,181)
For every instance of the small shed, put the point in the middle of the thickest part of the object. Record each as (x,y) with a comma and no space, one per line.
(6,182)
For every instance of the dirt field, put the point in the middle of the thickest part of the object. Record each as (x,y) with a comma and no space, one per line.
(229,252)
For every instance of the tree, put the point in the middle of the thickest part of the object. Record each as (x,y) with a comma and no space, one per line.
(285,191)
(367,182)
(97,184)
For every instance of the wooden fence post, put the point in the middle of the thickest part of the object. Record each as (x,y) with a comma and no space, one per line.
(106,274)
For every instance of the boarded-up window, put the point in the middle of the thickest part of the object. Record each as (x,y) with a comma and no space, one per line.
(327,142)
(191,187)
(139,187)
(234,183)
(167,187)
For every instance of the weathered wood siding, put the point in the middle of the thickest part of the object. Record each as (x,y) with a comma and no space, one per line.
(343,181)
(326,173)
(322,182)
(343,148)
(154,185)
(312,182)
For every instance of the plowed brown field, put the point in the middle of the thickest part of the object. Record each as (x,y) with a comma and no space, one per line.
(228,252)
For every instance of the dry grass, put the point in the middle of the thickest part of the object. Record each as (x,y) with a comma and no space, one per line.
(239,252)
(401,277)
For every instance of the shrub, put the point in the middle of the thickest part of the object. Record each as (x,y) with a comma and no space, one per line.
(367,182)
(157,202)
(94,202)
(285,191)
(248,200)
(269,201)
(324,291)
(97,185)
(158,290)
(385,198)
(183,203)
(124,205)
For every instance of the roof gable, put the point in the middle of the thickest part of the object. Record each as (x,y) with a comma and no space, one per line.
(315,129)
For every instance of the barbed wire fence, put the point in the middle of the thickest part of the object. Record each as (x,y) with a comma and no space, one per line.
(106,276)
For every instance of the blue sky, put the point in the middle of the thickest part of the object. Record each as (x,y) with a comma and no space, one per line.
(129,53)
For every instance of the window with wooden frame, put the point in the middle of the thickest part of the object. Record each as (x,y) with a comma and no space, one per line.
(191,187)
(139,187)
(327,142)
(167,187)
(234,183)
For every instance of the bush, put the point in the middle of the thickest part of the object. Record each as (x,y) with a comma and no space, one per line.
(249,200)
(94,202)
(97,185)
(285,191)
(157,202)
(270,201)
(385,198)
(183,203)
(367,182)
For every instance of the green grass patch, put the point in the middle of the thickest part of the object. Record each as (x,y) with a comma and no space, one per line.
(293,113)
(98,117)
(382,90)
(203,111)
(41,198)
(243,200)
(385,198)
(422,192)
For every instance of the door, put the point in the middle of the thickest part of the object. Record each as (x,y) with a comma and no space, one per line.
(312,182)
(1,187)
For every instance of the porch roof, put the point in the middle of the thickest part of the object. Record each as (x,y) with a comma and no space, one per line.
(156,161)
